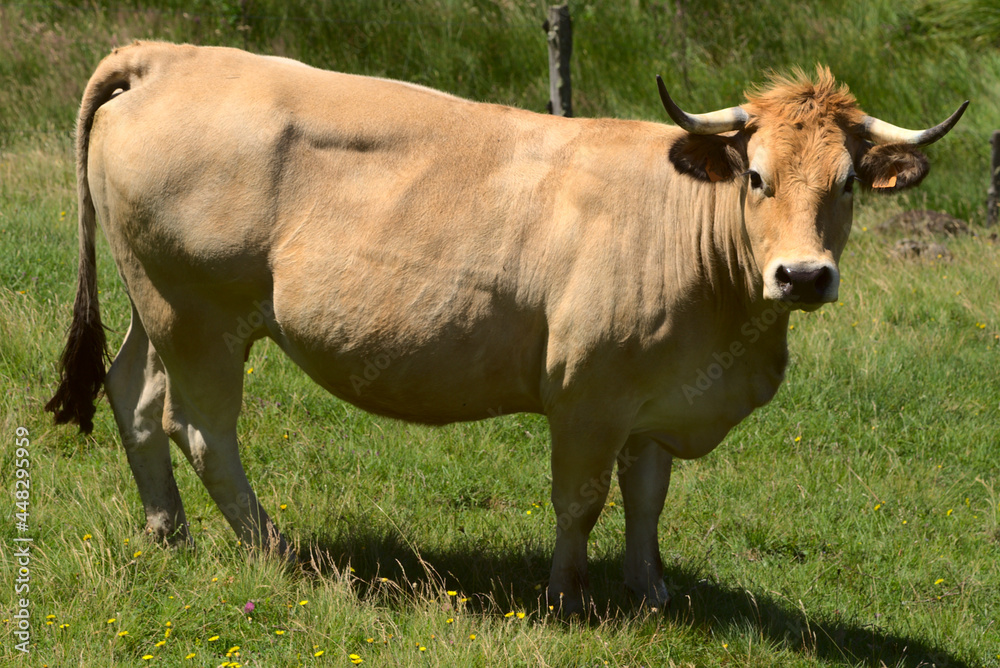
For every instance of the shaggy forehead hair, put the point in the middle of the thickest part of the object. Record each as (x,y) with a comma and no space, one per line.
(795,98)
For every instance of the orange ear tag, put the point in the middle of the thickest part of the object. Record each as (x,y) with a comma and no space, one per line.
(713,175)
(885,181)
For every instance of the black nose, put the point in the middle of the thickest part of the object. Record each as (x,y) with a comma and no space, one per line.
(808,286)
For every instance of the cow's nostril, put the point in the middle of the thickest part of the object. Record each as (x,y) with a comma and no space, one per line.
(781,275)
(823,280)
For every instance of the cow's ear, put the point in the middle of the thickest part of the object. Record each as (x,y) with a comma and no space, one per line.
(889,168)
(710,157)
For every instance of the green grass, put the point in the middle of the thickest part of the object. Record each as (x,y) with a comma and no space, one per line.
(853,521)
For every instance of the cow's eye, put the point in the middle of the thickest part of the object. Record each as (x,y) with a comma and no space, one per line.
(755,181)
(849,184)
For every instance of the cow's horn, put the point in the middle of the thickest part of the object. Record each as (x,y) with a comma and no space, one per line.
(880,132)
(712,123)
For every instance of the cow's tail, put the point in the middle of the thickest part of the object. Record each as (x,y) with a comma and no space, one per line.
(82,366)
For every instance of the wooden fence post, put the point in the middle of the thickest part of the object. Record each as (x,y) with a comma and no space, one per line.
(993,194)
(560,38)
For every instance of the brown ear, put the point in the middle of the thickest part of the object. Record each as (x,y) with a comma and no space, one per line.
(889,168)
(710,157)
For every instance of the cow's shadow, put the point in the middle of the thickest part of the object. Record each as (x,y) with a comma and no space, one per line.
(387,568)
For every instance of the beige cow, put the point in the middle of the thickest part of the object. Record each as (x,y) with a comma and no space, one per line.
(435,260)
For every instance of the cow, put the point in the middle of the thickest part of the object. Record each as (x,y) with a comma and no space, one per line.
(631,281)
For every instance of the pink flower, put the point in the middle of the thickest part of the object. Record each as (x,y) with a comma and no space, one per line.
(248,608)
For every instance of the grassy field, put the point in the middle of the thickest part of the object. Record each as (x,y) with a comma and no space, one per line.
(853,521)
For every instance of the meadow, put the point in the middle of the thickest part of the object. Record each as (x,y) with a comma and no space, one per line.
(854,521)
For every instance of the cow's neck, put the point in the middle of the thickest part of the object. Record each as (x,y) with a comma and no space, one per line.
(732,296)
(731,264)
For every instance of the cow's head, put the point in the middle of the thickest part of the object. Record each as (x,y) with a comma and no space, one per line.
(798,148)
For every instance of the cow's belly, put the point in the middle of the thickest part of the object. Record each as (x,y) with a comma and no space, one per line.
(435,350)
(438,383)
(409,388)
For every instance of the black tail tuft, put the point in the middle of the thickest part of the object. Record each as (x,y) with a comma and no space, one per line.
(82,371)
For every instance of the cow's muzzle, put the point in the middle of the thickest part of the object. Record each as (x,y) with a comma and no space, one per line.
(807,285)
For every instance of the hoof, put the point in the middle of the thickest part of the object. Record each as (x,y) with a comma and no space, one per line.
(567,605)
(164,533)
(653,595)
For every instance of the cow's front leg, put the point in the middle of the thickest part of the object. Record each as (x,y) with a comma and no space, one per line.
(644,477)
(583,456)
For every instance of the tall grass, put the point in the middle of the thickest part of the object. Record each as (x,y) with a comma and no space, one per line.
(968,21)
(854,521)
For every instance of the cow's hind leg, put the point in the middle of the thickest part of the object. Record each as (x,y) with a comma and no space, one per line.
(203,398)
(136,386)
(644,477)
